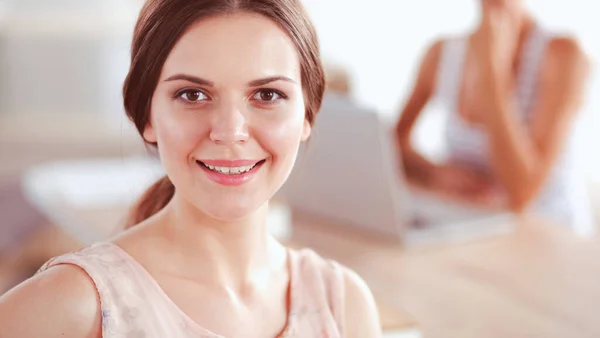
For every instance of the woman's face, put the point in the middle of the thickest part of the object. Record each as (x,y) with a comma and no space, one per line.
(228,114)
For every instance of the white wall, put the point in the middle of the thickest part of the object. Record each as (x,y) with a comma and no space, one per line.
(382,43)
(74,53)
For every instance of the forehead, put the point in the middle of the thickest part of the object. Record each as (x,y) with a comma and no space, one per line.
(236,47)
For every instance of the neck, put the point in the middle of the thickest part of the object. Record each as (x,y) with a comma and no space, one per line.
(229,253)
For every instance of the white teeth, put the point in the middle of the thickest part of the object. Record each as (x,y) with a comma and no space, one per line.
(230,170)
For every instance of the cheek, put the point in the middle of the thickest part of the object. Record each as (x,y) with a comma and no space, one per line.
(282,142)
(284,138)
(282,135)
(177,132)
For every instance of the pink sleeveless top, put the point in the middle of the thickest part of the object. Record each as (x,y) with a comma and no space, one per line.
(134,305)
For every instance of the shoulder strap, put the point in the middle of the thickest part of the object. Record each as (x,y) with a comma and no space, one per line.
(318,289)
(121,296)
(450,70)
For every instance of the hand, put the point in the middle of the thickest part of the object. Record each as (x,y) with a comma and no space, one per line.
(490,78)
(495,41)
(463,183)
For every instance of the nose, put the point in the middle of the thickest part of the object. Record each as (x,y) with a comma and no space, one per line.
(229,126)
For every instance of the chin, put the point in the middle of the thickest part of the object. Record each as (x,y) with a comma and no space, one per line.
(230,209)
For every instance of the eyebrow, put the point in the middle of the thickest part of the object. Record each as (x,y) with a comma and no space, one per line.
(190,78)
(203,82)
(266,80)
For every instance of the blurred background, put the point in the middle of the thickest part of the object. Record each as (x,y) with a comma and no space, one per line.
(381,45)
(67,147)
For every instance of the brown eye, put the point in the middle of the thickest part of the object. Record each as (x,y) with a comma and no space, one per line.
(192,95)
(267,95)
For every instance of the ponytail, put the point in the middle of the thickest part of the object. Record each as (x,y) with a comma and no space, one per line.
(151,202)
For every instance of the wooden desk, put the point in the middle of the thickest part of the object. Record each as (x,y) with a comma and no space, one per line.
(541,281)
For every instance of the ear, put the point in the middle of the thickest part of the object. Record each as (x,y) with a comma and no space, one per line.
(149,134)
(306,130)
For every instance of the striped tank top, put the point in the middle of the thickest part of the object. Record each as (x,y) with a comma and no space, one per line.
(564,197)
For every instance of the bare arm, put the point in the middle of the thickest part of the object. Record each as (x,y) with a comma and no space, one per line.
(452,180)
(522,159)
(361,316)
(60,302)
(415,165)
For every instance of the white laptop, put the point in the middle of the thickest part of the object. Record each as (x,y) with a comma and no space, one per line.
(349,172)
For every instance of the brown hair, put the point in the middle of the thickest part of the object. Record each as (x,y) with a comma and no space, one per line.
(161,24)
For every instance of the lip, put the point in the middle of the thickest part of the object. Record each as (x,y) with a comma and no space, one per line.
(230,163)
(230,180)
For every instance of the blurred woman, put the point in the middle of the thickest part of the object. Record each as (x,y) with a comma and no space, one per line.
(513,89)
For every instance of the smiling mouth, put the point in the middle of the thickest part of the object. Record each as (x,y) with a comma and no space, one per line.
(230,170)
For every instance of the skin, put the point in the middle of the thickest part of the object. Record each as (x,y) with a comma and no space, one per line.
(521,157)
(212,253)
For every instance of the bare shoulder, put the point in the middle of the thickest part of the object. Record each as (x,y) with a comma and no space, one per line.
(434,50)
(432,56)
(361,315)
(563,76)
(566,54)
(59,302)
(566,45)
(428,69)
